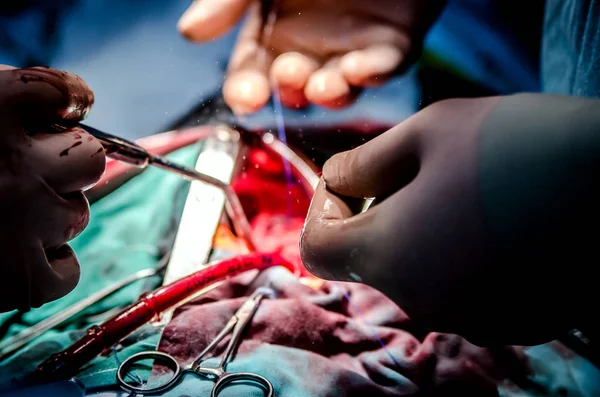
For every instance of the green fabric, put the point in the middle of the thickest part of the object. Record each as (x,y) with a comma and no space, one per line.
(126,232)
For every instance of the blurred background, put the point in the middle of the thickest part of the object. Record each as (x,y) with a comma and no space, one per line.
(147,78)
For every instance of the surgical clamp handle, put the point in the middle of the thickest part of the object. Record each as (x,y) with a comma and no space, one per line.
(236,325)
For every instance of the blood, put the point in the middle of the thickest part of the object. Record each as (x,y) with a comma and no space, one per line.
(26,80)
(98,338)
(66,151)
(275,206)
(275,202)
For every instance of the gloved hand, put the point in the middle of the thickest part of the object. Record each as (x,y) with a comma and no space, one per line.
(317,51)
(42,175)
(485,222)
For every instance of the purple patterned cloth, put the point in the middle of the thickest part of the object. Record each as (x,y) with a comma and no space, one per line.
(341,339)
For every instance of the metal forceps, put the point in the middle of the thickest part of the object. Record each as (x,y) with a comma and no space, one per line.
(236,325)
(131,153)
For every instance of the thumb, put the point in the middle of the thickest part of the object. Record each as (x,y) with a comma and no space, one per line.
(208,19)
(52,93)
(377,168)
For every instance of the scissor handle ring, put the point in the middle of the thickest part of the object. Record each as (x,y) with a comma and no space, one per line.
(228,378)
(163,357)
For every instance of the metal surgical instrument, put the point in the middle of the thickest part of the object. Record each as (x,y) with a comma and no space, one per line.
(67,363)
(236,326)
(131,153)
(16,342)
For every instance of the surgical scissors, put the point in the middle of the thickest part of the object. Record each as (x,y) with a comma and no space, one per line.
(236,325)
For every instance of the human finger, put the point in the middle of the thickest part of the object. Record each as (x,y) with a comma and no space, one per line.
(247,87)
(37,276)
(208,19)
(63,219)
(328,87)
(36,210)
(44,94)
(335,242)
(56,277)
(69,161)
(371,66)
(290,73)
(377,168)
